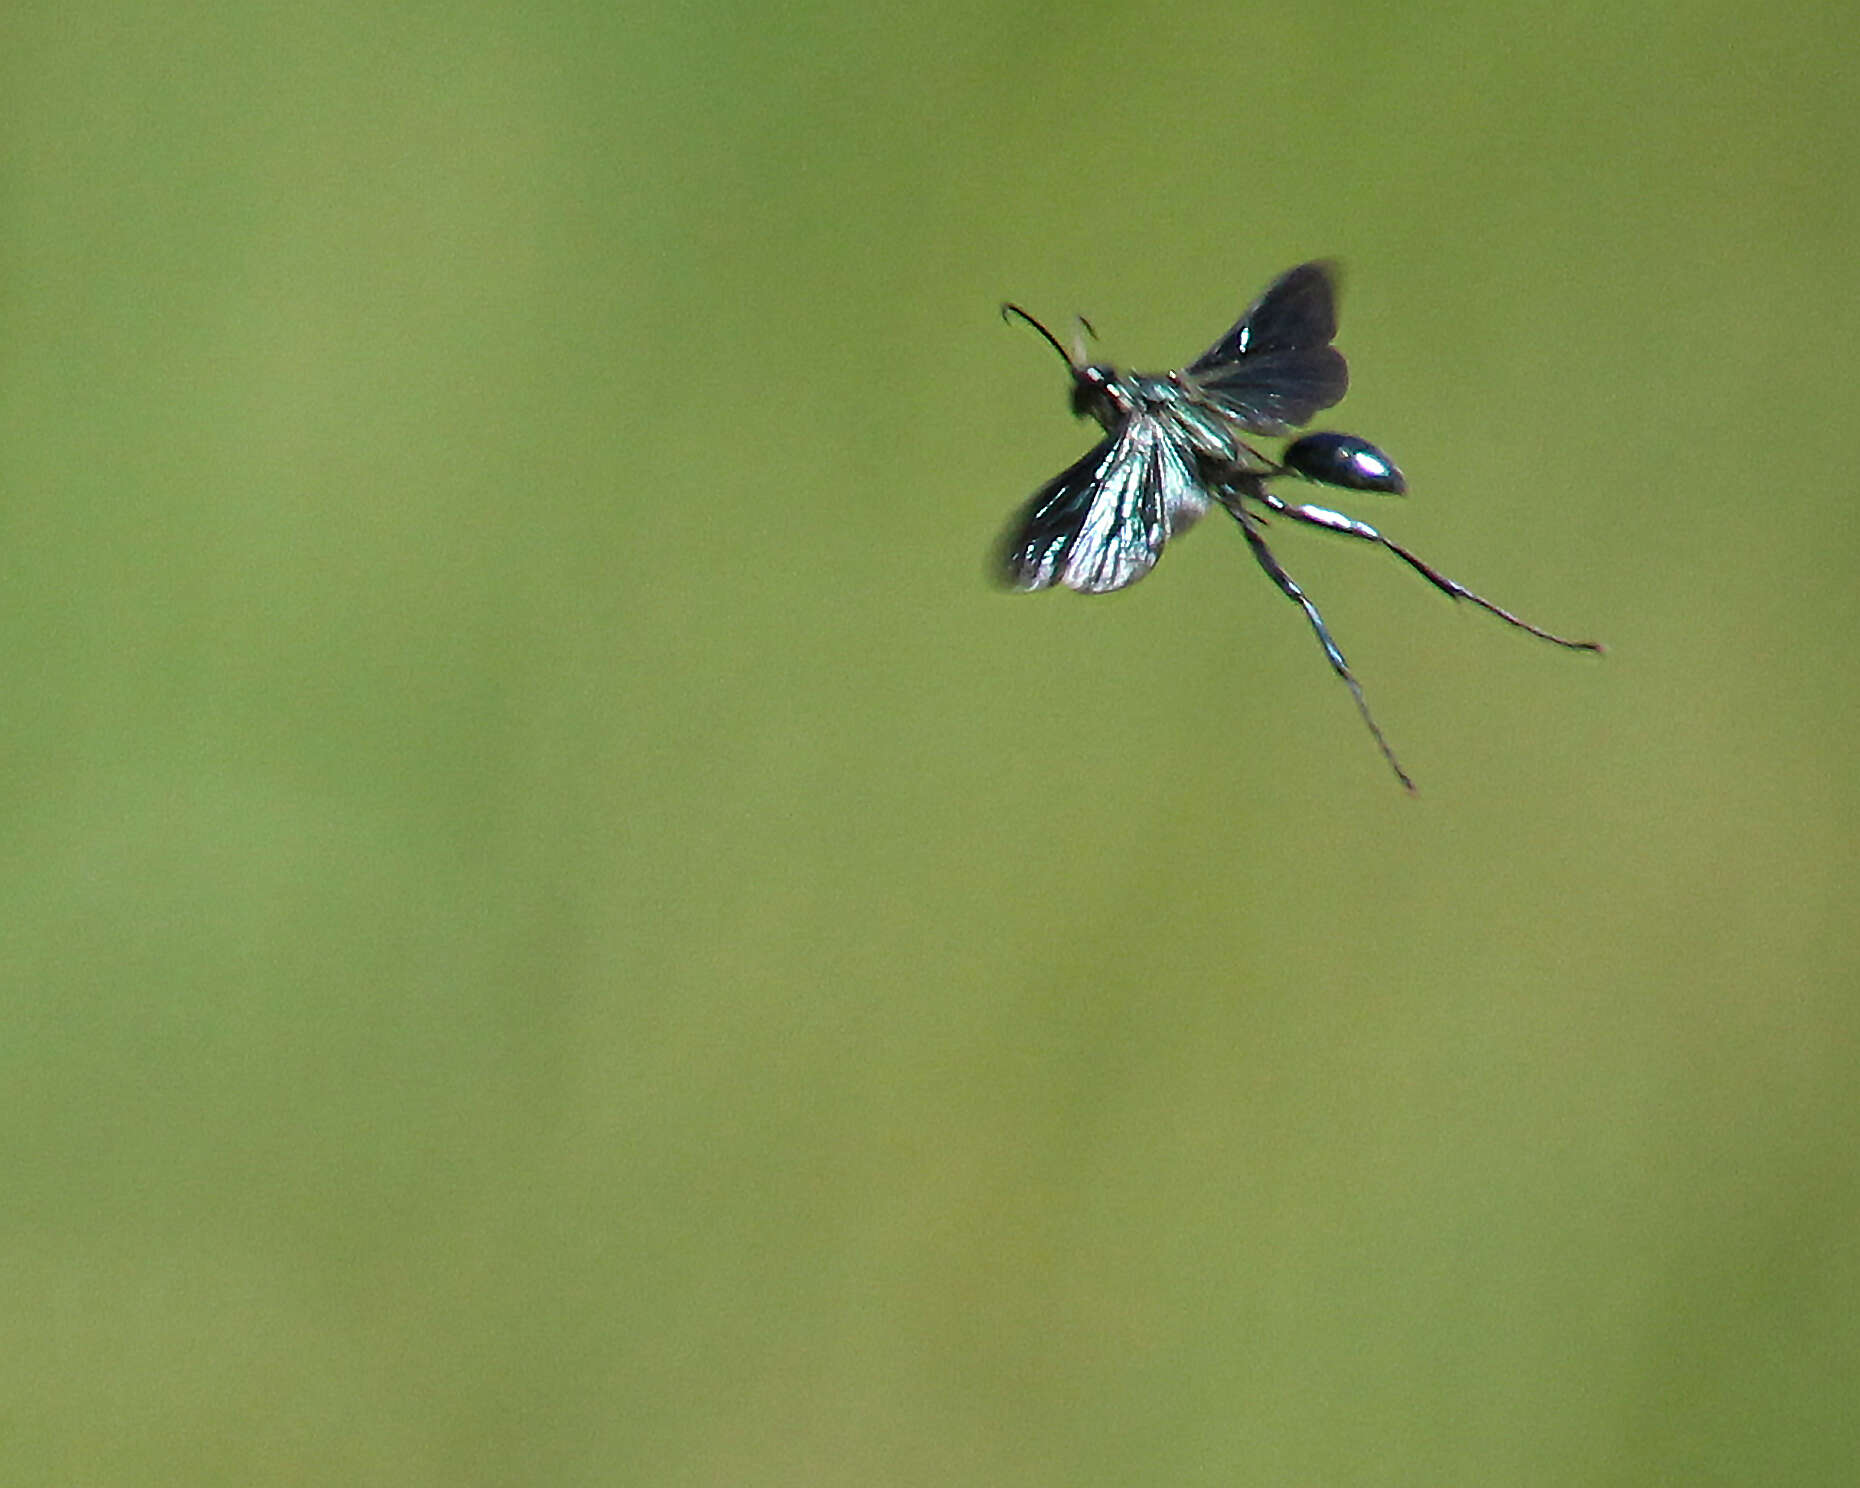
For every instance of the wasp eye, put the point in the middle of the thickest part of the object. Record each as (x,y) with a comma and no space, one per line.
(1091,391)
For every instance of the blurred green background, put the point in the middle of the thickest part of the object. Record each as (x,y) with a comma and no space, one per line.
(555,929)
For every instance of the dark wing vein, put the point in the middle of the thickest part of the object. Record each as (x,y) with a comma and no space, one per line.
(1102,522)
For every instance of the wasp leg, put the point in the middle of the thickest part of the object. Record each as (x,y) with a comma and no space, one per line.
(1331,521)
(1263,555)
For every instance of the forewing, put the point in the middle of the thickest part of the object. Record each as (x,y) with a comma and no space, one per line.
(1276,367)
(1297,310)
(1101,523)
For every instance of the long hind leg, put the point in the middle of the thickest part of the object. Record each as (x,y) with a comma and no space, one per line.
(1332,521)
(1249,529)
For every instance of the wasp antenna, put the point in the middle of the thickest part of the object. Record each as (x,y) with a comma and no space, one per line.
(1051,339)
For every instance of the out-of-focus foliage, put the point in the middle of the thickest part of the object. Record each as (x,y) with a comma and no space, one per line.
(554,929)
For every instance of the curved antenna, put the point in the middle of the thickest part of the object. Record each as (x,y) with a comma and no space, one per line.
(1051,339)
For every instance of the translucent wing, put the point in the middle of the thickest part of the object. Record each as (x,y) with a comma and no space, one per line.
(1101,523)
(1276,367)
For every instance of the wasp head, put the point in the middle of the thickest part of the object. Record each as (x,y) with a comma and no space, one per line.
(1095,386)
(1096,394)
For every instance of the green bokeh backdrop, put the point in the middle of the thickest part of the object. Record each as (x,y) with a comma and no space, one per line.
(554,929)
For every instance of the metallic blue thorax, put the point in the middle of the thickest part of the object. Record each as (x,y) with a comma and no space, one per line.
(1173,400)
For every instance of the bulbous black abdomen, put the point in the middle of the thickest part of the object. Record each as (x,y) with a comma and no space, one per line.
(1346,461)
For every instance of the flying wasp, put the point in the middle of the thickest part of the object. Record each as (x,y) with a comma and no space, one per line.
(1175,443)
